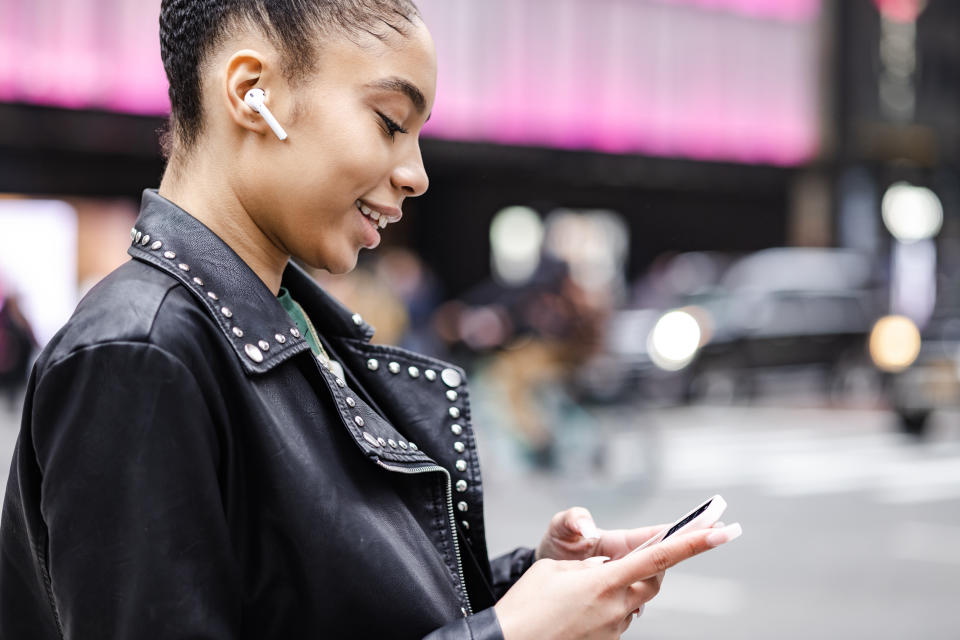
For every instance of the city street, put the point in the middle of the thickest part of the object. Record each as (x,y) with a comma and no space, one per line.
(850,530)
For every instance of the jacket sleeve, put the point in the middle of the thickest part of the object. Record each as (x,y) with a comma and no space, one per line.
(507,569)
(482,625)
(137,538)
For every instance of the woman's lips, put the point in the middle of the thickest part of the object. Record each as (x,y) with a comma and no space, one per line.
(371,232)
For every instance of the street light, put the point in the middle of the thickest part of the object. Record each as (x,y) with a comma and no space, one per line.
(911,213)
(674,340)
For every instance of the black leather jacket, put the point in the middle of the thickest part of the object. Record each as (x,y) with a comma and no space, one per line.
(186,468)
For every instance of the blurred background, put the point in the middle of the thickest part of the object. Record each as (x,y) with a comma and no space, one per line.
(683,247)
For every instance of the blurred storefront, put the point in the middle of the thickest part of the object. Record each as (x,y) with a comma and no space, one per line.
(705,128)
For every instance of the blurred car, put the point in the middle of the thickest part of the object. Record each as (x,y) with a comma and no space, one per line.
(926,377)
(784,307)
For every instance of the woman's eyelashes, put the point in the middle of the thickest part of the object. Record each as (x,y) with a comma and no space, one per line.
(392,128)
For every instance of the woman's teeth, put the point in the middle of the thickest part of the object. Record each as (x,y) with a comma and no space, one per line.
(378,220)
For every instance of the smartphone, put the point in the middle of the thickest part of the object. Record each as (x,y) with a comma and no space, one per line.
(701,517)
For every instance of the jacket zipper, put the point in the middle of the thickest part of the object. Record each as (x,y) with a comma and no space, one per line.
(453,520)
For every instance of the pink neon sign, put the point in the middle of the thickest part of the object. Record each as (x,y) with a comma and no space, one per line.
(708,79)
(93,54)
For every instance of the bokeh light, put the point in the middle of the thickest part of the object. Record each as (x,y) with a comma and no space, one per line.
(911,213)
(674,340)
(894,343)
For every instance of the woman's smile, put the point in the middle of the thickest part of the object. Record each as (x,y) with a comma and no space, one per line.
(376,218)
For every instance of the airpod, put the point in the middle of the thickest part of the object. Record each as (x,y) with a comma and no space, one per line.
(255,100)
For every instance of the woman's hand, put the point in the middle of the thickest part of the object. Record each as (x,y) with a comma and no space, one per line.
(590,599)
(572,535)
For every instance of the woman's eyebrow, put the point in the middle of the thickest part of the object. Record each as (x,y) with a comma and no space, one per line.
(407,88)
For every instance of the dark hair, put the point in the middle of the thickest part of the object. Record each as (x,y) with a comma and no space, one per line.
(190,29)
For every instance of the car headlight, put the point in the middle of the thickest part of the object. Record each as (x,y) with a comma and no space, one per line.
(674,340)
(894,343)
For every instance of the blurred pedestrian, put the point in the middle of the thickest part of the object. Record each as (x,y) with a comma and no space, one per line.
(212,447)
(17,346)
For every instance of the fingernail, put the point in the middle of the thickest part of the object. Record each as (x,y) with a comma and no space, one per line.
(587,528)
(722,536)
(719,525)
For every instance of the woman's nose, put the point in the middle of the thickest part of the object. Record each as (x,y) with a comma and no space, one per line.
(410,177)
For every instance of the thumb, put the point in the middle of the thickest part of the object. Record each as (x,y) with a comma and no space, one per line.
(579,522)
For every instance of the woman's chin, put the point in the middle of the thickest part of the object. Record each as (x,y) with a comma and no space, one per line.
(336,265)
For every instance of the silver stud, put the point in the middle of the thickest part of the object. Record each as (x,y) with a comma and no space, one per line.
(382,442)
(462,506)
(403,445)
(454,412)
(461,465)
(341,383)
(133,233)
(156,245)
(351,402)
(295,332)
(358,420)
(459,447)
(357,319)
(430,375)
(145,240)
(394,367)
(373,364)
(452,395)
(451,377)
(169,255)
(414,447)
(369,438)
(183,267)
(226,312)
(253,352)
(137,237)
(456,429)
(466,525)
(280,338)
(461,485)
(197,281)
(264,345)
(237,331)
(414,372)
(212,295)
(392,443)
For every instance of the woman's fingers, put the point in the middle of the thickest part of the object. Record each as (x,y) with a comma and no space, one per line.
(641,565)
(635,537)
(640,593)
(571,535)
(579,522)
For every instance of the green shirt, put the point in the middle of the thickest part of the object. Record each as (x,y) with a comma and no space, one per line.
(300,320)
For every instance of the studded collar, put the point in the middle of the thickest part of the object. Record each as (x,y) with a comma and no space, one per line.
(251,318)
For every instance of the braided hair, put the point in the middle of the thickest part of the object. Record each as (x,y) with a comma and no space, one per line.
(191,29)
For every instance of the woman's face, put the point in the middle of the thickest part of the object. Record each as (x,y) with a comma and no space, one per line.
(353,151)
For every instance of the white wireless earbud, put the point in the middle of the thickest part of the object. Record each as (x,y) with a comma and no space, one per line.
(255,100)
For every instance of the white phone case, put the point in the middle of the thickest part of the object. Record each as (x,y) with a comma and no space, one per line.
(703,516)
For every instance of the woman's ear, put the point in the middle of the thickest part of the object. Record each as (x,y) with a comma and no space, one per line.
(245,70)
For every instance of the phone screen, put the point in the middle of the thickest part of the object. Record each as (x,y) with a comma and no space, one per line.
(693,514)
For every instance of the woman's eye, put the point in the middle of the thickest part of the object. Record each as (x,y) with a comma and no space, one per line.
(392,127)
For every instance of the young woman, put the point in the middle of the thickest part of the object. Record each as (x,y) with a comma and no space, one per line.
(212,448)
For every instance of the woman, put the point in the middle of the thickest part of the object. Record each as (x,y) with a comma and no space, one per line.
(212,448)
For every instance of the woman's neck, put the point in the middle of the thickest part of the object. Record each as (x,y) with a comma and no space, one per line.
(217,206)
